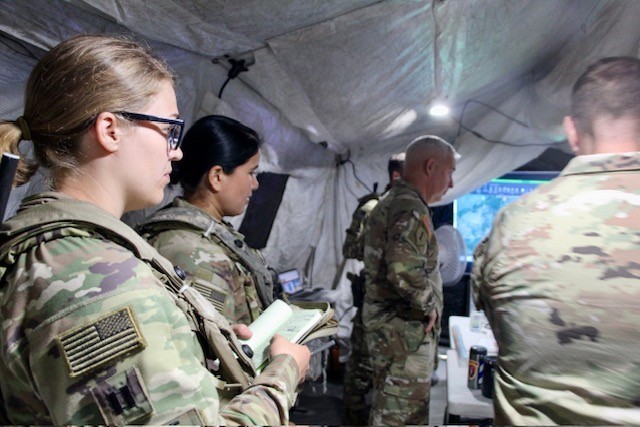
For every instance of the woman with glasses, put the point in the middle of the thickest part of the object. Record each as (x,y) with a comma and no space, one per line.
(95,326)
(218,175)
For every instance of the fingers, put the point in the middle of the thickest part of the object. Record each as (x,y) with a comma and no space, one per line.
(300,353)
(433,316)
(242,331)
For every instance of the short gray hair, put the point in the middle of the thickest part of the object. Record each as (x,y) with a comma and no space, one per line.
(431,144)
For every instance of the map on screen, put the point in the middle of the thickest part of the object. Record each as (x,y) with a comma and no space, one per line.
(473,213)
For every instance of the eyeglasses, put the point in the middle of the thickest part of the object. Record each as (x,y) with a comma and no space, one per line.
(174,134)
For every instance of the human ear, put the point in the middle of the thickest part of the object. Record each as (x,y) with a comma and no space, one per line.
(215,177)
(572,133)
(107,131)
(429,165)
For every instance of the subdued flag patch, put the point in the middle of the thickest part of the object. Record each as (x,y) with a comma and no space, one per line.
(212,293)
(91,346)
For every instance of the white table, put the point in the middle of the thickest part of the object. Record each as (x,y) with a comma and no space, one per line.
(462,402)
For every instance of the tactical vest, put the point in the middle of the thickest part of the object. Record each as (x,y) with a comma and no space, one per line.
(353,246)
(63,216)
(177,217)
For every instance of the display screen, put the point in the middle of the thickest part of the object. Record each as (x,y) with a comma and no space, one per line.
(474,212)
(291,281)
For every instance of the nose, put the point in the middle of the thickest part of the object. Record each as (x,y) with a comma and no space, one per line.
(254,183)
(175,155)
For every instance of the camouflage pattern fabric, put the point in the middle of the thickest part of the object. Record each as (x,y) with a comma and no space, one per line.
(403,285)
(353,246)
(559,280)
(90,335)
(223,278)
(358,380)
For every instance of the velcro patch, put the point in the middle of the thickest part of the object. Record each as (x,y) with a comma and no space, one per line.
(91,346)
(212,293)
(122,399)
(190,418)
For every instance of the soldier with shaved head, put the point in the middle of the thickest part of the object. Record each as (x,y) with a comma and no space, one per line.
(559,276)
(403,297)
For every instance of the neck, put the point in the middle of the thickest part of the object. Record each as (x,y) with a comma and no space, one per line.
(204,202)
(87,188)
(618,135)
(421,185)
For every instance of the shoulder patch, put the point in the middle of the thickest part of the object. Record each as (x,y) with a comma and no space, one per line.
(93,345)
(190,418)
(122,399)
(213,293)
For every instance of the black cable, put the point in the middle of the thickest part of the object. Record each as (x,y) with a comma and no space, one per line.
(513,119)
(237,66)
(464,107)
(222,88)
(510,144)
(356,175)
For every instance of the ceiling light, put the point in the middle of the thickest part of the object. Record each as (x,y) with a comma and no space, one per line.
(439,110)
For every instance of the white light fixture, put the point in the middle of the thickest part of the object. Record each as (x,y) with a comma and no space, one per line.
(439,110)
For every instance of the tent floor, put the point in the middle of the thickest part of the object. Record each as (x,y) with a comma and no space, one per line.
(318,405)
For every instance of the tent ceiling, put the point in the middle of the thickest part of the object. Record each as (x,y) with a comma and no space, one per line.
(358,75)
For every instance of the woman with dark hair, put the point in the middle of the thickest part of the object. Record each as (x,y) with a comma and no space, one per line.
(218,175)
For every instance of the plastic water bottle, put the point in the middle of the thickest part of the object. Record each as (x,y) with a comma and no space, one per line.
(476,320)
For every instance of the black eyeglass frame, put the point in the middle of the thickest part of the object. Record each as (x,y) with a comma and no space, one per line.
(172,141)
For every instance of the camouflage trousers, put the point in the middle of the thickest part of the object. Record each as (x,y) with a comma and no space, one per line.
(402,357)
(358,376)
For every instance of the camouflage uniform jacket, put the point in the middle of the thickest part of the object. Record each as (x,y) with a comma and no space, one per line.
(91,334)
(182,234)
(353,246)
(401,260)
(559,280)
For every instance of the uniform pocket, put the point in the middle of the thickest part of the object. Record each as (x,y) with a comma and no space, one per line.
(414,335)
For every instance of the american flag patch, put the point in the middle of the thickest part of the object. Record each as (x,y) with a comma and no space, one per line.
(214,296)
(91,346)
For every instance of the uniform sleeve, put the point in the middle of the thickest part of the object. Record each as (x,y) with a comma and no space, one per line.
(274,389)
(408,241)
(482,273)
(106,344)
(207,262)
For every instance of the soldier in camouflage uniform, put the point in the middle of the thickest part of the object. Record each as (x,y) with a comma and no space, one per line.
(403,297)
(558,276)
(358,380)
(97,327)
(217,174)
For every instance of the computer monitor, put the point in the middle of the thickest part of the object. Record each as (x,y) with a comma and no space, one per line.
(291,281)
(473,213)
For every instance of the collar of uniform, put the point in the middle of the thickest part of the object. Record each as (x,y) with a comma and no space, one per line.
(180,202)
(401,185)
(596,163)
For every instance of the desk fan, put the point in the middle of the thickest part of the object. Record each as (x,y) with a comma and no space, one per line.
(452,254)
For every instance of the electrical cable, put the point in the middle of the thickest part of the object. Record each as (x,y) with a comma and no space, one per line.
(513,119)
(464,107)
(223,86)
(237,66)
(510,144)
(353,166)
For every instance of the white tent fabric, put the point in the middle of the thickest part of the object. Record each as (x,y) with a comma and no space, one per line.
(356,76)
